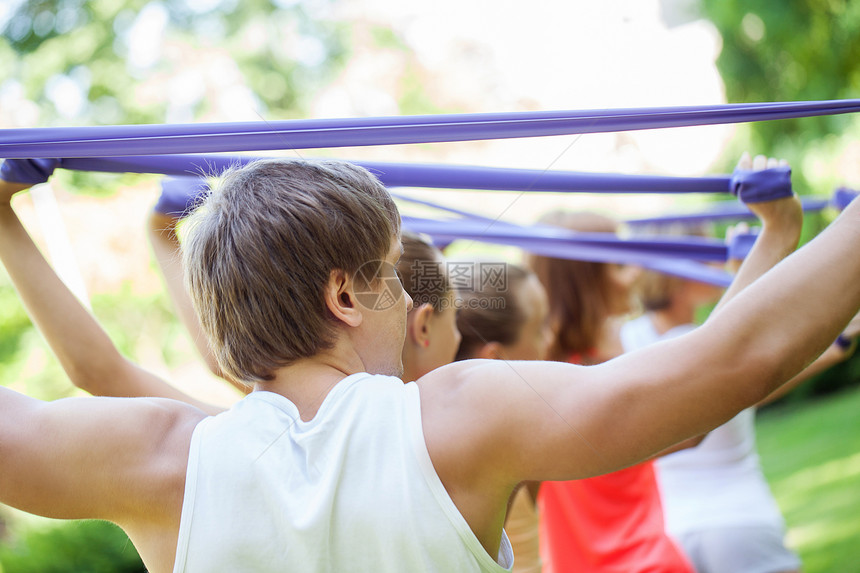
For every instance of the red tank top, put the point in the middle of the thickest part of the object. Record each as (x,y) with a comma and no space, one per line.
(612,522)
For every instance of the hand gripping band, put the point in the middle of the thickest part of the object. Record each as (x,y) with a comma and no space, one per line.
(761,186)
(33,171)
(179,195)
(723,210)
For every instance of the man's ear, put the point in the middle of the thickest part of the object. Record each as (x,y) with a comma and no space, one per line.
(418,328)
(340,298)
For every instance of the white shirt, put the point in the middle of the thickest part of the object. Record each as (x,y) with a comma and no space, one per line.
(353,489)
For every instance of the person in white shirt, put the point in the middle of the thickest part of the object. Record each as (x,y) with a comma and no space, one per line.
(332,463)
(716,500)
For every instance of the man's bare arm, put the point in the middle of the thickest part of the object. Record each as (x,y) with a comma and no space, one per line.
(106,458)
(84,350)
(781,224)
(836,353)
(540,421)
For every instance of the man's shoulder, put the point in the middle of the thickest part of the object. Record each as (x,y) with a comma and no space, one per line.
(460,377)
(452,394)
(170,422)
(159,415)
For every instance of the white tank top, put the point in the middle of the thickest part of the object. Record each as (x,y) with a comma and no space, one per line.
(351,490)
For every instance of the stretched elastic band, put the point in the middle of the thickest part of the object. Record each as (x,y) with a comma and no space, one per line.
(179,195)
(741,245)
(31,171)
(842,197)
(749,186)
(667,256)
(693,271)
(304,134)
(453,210)
(724,210)
(427,175)
(592,245)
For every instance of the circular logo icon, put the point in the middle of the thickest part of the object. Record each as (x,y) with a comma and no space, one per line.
(377,285)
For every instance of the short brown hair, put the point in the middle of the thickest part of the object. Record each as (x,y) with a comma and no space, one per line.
(579,291)
(481,323)
(260,249)
(422,271)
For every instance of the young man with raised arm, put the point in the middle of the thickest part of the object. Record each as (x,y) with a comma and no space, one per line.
(332,464)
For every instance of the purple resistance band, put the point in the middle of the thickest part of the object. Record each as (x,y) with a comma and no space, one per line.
(180,193)
(692,270)
(724,211)
(428,175)
(738,248)
(718,211)
(94,142)
(843,196)
(751,185)
(464,214)
(303,134)
(552,238)
(775,182)
(840,199)
(678,256)
(666,256)
(417,174)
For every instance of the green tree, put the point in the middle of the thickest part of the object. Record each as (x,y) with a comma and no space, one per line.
(789,51)
(53,48)
(794,51)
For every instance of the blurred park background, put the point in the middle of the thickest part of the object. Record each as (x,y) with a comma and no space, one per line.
(100,62)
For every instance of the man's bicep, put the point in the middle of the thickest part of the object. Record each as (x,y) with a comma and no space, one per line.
(637,405)
(84,457)
(515,421)
(571,422)
(564,421)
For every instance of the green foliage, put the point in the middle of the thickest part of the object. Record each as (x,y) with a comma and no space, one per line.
(139,325)
(387,38)
(14,323)
(810,456)
(25,363)
(132,320)
(793,51)
(284,50)
(788,51)
(71,547)
(414,99)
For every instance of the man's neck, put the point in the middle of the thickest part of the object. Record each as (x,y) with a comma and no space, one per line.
(307,382)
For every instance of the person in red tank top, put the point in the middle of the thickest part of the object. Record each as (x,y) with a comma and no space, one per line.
(612,522)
